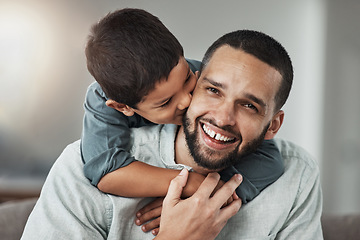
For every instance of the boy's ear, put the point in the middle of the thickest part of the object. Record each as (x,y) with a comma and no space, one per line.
(121,107)
(275,125)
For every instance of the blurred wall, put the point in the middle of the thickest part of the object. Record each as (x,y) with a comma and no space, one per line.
(44,78)
(341,139)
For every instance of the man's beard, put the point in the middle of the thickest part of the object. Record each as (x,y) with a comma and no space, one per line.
(204,159)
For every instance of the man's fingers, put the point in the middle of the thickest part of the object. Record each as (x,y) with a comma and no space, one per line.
(208,185)
(230,210)
(175,189)
(226,191)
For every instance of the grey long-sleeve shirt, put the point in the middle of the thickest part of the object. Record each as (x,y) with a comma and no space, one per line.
(69,207)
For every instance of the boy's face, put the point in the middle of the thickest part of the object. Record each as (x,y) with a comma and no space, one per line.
(170,98)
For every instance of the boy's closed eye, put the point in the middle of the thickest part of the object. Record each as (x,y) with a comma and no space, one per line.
(168,101)
(165,104)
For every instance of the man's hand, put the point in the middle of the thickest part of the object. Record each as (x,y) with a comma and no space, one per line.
(200,216)
(148,217)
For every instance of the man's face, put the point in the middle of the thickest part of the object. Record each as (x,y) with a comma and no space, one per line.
(232,108)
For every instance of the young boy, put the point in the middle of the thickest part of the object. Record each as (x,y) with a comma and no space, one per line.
(143,78)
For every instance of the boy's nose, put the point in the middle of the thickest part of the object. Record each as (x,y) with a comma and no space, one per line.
(185,101)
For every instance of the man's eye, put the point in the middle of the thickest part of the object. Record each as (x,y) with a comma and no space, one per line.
(213,90)
(250,106)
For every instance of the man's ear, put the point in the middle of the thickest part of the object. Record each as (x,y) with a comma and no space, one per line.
(121,107)
(197,75)
(275,125)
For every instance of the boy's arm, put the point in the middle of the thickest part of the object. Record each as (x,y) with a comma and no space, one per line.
(108,164)
(139,179)
(105,136)
(259,170)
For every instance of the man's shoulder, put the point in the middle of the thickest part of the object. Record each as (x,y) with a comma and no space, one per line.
(70,158)
(153,133)
(152,143)
(83,209)
(67,173)
(297,159)
(289,149)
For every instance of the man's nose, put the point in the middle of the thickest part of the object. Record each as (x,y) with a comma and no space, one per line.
(224,114)
(184,101)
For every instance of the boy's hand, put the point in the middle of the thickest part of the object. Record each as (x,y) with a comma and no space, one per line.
(150,214)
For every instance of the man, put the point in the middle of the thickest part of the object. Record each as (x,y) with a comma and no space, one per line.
(245,80)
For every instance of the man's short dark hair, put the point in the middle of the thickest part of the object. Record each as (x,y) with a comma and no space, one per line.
(128,52)
(266,49)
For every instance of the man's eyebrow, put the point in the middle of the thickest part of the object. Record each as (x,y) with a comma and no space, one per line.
(216,84)
(256,99)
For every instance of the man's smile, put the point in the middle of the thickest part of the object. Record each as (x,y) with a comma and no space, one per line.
(217,138)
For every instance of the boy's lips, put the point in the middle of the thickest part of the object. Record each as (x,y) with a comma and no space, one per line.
(216,138)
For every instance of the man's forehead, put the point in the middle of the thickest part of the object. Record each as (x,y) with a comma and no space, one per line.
(227,57)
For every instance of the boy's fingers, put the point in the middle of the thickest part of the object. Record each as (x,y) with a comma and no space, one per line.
(227,190)
(153,205)
(151,225)
(175,189)
(155,231)
(147,216)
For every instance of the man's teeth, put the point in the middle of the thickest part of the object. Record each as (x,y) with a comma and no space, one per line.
(216,136)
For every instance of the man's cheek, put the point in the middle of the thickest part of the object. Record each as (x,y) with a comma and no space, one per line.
(196,108)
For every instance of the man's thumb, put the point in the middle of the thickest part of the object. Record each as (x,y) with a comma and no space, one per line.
(176,187)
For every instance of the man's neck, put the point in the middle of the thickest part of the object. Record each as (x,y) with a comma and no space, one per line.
(182,153)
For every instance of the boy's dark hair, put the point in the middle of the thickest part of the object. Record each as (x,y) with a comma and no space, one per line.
(128,52)
(266,49)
